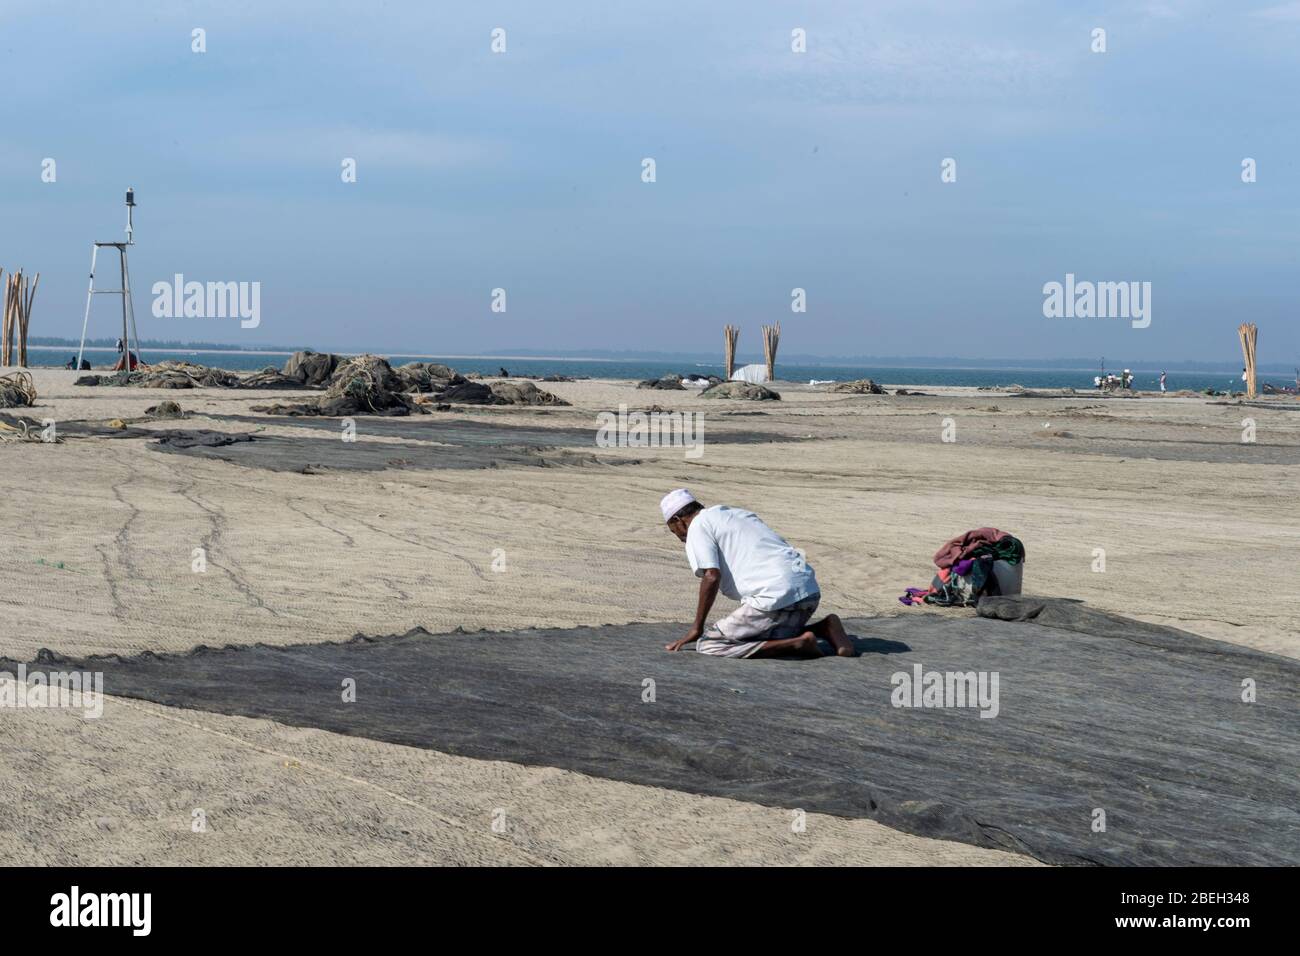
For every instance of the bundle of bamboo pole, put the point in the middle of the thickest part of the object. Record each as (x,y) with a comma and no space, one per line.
(20,292)
(729,335)
(1248,332)
(771,336)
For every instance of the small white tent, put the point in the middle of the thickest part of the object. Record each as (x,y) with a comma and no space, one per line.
(754,374)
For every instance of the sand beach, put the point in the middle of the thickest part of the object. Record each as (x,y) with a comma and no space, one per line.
(442,521)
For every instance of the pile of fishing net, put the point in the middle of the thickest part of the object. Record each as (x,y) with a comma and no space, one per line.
(517,392)
(173,374)
(310,368)
(862,386)
(368,385)
(164,410)
(361,385)
(668,382)
(270,377)
(364,385)
(673,382)
(428,377)
(747,391)
(166,375)
(323,369)
(17,390)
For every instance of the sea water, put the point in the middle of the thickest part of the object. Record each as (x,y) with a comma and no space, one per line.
(1143,380)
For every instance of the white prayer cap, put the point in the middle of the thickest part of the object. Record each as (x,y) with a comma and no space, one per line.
(674,502)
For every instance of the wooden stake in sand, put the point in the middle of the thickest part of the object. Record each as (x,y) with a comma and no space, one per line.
(20,292)
(25,319)
(771,336)
(729,335)
(1248,332)
(6,333)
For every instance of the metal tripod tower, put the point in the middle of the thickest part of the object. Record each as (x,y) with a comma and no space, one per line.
(128,306)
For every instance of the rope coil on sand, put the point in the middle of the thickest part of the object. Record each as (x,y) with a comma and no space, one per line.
(17,390)
(10,433)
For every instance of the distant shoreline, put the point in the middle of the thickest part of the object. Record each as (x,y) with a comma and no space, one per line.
(415,355)
(684,362)
(917,377)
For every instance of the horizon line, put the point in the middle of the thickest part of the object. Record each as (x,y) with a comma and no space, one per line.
(632,356)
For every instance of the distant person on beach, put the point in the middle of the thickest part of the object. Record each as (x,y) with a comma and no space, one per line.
(1162,382)
(122,357)
(731,550)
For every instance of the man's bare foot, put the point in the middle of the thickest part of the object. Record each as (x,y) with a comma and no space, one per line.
(838,638)
(804,645)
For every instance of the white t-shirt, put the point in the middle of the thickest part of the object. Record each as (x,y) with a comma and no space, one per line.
(758,567)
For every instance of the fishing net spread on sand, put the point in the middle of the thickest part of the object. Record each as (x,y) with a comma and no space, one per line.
(1088,683)
(17,390)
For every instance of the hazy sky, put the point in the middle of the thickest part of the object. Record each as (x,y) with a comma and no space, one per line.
(775,170)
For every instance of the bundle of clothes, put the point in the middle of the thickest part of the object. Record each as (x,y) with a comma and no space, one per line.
(966,568)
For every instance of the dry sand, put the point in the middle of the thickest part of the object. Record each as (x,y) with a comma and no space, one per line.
(1201,537)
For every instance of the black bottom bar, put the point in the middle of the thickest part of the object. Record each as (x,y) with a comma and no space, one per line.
(928,906)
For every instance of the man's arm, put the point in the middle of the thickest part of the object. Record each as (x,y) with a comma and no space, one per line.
(710,580)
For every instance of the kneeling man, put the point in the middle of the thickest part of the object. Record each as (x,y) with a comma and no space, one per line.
(731,550)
